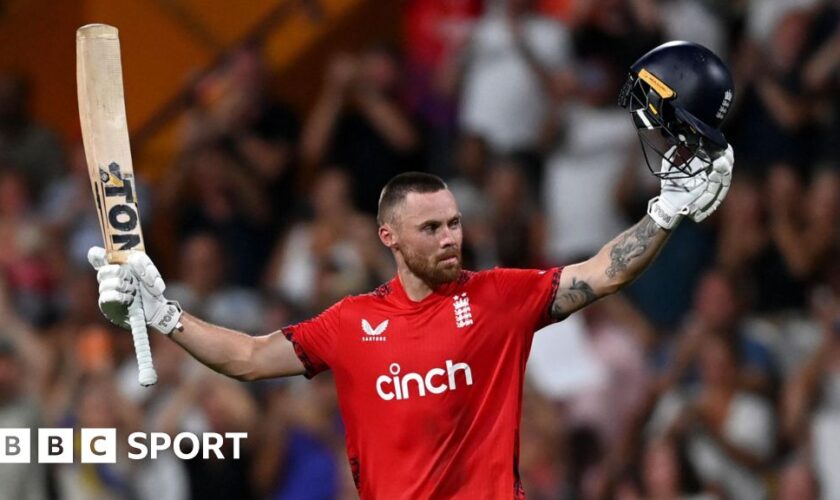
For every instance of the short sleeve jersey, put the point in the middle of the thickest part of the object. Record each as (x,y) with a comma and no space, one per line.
(431,391)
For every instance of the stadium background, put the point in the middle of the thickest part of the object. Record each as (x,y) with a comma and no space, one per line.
(263,133)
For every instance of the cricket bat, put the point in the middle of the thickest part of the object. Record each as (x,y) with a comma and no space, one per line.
(105,135)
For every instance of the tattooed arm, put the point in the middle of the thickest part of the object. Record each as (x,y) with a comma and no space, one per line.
(615,266)
(623,259)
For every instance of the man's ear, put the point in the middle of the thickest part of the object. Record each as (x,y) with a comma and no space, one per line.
(387,236)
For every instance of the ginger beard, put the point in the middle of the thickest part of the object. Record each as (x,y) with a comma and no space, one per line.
(435,270)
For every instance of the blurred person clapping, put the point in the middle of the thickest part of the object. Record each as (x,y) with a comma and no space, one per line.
(331,254)
(359,123)
(511,66)
(811,397)
(233,105)
(217,195)
(730,433)
(776,122)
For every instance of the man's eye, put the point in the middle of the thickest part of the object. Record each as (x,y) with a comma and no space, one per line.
(455,223)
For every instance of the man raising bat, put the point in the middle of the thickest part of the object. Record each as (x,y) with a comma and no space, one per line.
(429,367)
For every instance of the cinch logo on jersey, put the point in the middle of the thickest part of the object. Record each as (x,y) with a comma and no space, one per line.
(374,334)
(99,445)
(463,314)
(435,381)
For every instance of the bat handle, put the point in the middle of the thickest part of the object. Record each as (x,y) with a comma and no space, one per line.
(137,319)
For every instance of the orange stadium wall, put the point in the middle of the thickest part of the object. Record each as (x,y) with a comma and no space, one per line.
(37,40)
(164,42)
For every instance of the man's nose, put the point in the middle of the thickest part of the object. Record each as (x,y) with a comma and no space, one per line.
(447,238)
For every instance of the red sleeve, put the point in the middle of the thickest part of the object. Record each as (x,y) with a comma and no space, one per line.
(315,340)
(529,293)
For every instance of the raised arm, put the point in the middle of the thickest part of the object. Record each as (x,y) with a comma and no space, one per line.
(615,266)
(236,354)
(318,129)
(228,352)
(624,258)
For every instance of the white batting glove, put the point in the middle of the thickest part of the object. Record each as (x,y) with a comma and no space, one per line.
(696,196)
(137,279)
(720,178)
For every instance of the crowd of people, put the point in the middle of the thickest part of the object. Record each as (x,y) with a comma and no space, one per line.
(715,375)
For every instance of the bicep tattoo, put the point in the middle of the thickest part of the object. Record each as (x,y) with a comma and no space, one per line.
(569,300)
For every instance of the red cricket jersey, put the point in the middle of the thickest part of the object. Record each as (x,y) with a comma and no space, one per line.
(431,391)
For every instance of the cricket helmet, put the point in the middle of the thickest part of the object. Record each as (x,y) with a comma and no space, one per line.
(679,95)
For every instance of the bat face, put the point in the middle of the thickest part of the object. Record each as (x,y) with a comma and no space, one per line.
(116,202)
(105,134)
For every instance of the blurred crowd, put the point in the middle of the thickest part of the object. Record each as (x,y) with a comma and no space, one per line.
(715,375)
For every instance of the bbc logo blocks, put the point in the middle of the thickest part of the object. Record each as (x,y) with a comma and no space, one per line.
(99,446)
(55,446)
(14,446)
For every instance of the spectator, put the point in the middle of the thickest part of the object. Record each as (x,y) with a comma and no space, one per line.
(26,250)
(26,481)
(26,146)
(359,123)
(205,286)
(820,79)
(226,407)
(544,451)
(299,453)
(718,310)
(775,124)
(621,30)
(511,68)
(811,402)
(215,194)
(513,216)
(667,473)
(584,169)
(618,337)
(695,21)
(232,106)
(435,33)
(99,405)
(730,433)
(331,255)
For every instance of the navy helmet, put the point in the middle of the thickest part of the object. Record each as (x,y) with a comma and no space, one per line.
(679,95)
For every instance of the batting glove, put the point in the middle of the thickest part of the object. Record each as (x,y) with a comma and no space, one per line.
(720,178)
(137,279)
(696,196)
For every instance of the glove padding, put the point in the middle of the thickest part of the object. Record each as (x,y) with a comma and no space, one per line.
(696,196)
(137,279)
(720,178)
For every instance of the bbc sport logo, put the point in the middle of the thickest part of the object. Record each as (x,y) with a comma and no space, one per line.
(99,446)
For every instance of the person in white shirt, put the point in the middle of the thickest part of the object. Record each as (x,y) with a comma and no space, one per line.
(511,59)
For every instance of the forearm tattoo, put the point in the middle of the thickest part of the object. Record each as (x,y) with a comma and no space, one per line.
(633,244)
(580,294)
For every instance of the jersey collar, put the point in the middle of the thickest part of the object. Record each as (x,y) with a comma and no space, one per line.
(441,292)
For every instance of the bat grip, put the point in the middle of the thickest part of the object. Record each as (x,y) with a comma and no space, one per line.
(137,319)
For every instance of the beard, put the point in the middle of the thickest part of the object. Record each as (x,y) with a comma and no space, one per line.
(433,270)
